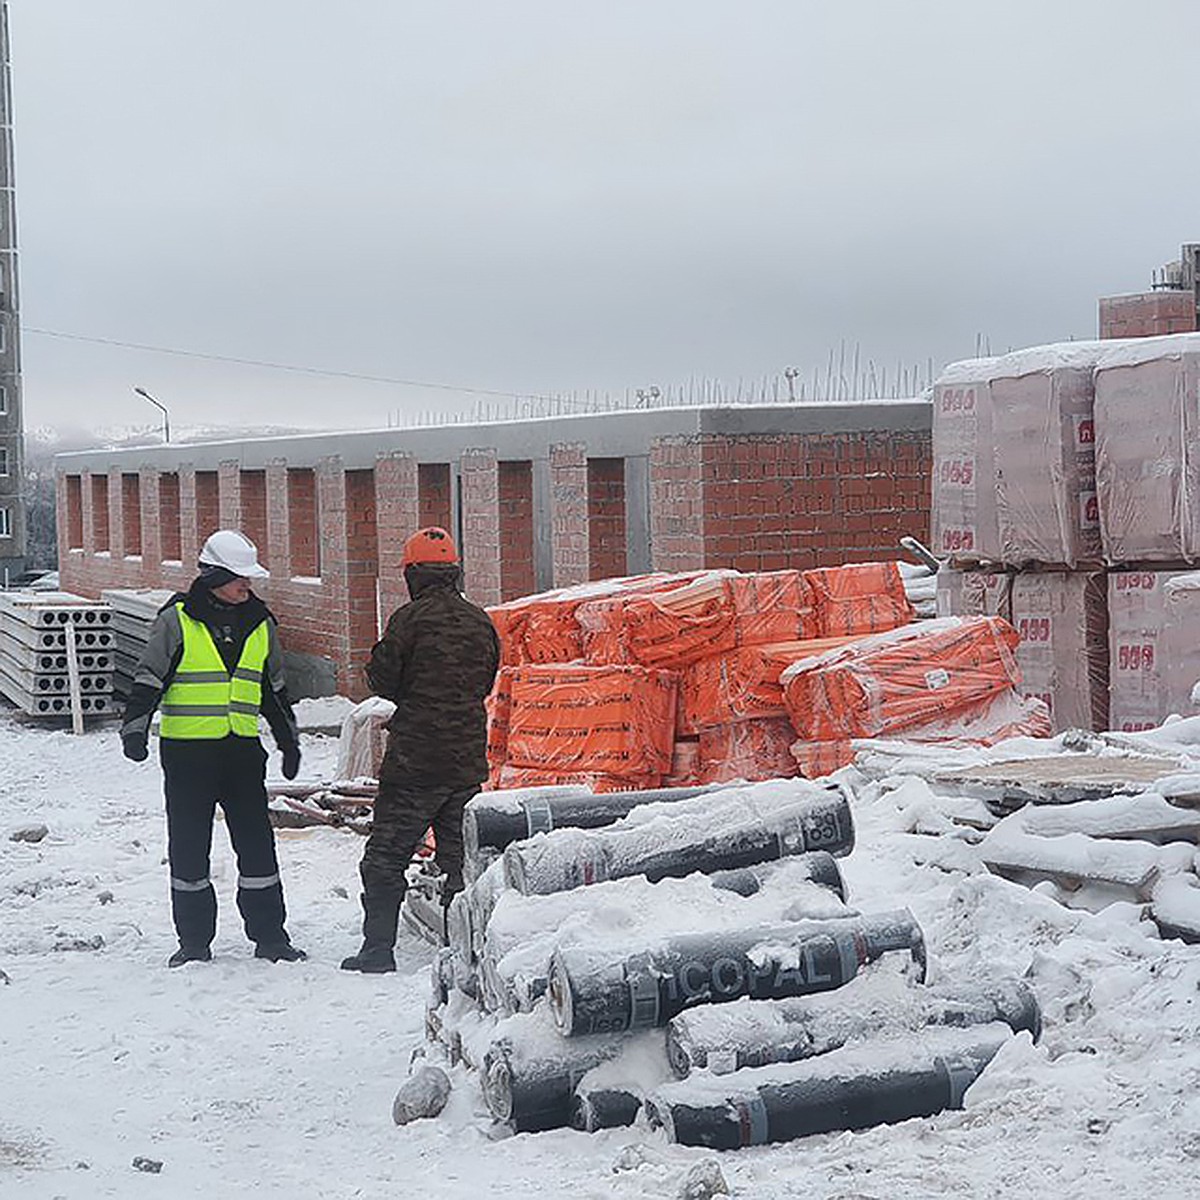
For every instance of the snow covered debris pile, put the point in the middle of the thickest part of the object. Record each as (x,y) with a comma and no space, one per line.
(581,967)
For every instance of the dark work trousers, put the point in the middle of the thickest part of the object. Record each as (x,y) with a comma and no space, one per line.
(401,816)
(198,775)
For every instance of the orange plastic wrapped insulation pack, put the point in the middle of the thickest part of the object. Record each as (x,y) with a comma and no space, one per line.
(510,627)
(749,750)
(608,720)
(675,628)
(772,606)
(892,681)
(859,598)
(717,613)
(499,714)
(996,719)
(742,685)
(509,776)
(543,627)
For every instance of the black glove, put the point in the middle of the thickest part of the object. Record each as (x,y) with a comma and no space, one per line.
(134,748)
(291,762)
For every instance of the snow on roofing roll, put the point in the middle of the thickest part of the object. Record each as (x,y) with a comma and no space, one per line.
(753,1033)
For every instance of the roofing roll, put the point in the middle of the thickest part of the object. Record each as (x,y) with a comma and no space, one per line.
(820,867)
(852,1088)
(753,1033)
(740,827)
(594,992)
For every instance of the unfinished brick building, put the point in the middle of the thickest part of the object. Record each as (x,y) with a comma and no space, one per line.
(534,505)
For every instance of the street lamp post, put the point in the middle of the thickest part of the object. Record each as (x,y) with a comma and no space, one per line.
(162,408)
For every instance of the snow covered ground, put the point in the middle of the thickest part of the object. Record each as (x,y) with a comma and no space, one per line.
(246,1078)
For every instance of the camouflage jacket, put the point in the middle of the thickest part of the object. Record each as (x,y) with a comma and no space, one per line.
(437,661)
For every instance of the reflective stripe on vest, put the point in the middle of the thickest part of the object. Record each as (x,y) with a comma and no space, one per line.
(204,701)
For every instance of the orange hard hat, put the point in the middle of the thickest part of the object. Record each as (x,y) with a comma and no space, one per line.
(429,545)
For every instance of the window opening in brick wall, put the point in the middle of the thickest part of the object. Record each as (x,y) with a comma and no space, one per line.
(607,552)
(208,505)
(131,514)
(169,525)
(362,562)
(3,401)
(3,460)
(5,523)
(303,523)
(254,510)
(74,512)
(433,494)
(517,571)
(100,528)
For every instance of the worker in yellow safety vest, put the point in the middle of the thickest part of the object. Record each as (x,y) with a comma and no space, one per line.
(212,665)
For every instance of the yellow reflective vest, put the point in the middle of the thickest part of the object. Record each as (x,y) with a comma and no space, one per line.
(203,700)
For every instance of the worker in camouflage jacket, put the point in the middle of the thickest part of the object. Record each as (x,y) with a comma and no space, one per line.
(213,664)
(437,661)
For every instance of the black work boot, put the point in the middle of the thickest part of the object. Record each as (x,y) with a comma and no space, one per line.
(372,959)
(381,916)
(279,952)
(187,954)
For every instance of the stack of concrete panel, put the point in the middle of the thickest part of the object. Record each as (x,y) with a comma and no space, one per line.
(133,612)
(33,652)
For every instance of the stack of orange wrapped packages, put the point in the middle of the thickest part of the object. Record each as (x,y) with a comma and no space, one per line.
(677,680)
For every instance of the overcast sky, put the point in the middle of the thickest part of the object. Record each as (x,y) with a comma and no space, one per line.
(559,196)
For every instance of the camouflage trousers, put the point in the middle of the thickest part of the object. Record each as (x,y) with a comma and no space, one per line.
(401,817)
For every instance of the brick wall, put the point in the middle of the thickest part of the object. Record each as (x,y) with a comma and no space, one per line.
(676,505)
(333,537)
(517,570)
(569,512)
(607,544)
(773,502)
(480,549)
(1147,314)
(398,515)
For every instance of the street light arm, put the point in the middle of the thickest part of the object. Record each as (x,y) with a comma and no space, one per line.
(162,408)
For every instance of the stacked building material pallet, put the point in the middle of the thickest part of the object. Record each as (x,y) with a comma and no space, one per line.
(34,671)
(133,612)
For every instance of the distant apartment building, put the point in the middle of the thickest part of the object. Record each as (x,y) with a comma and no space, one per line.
(12,503)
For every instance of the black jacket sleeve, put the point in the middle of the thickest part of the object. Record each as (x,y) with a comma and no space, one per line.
(276,707)
(153,674)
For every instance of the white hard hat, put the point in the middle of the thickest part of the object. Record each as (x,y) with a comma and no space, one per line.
(235,552)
